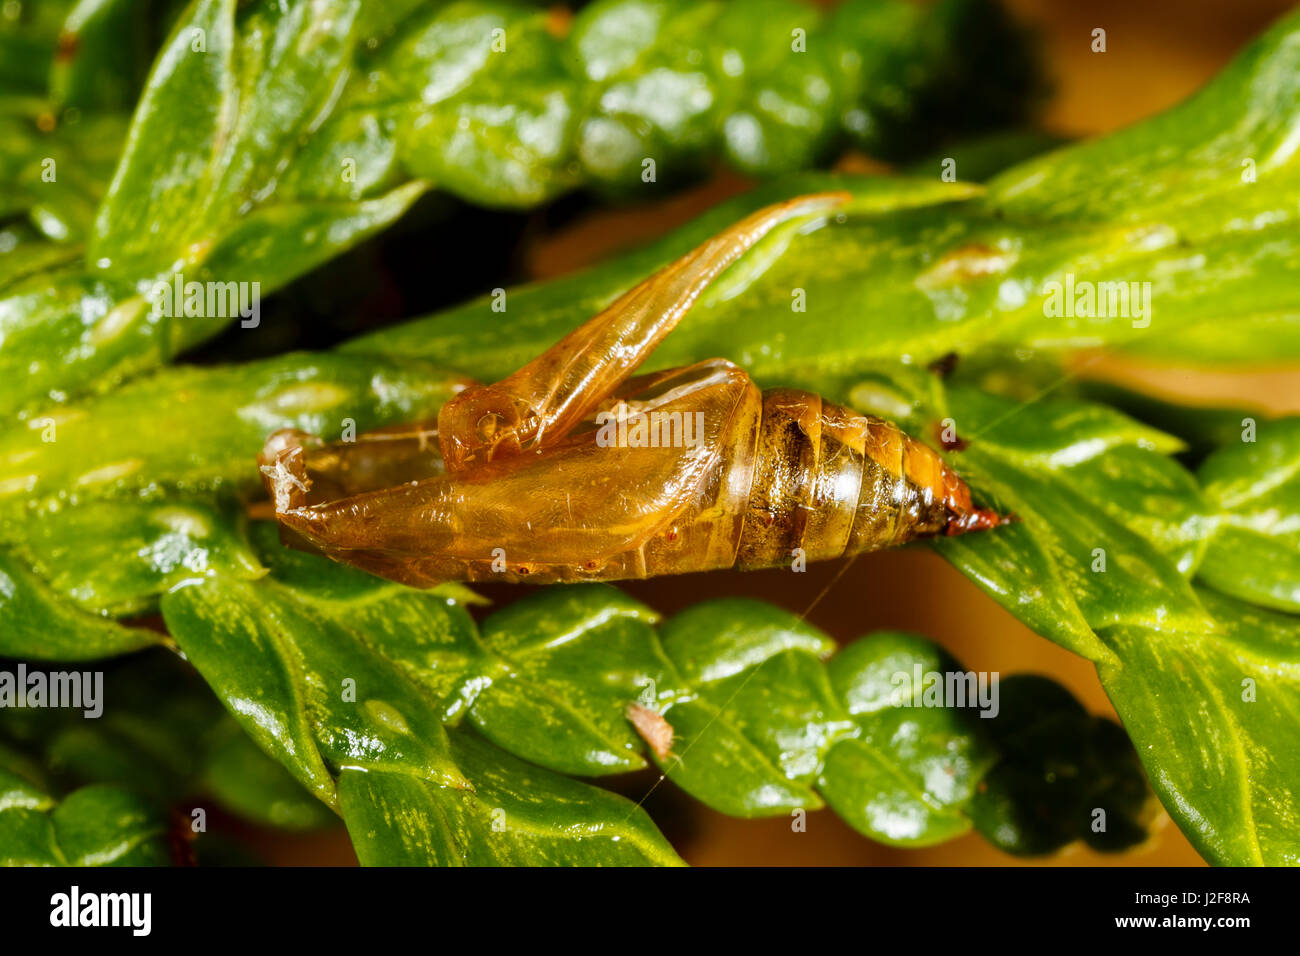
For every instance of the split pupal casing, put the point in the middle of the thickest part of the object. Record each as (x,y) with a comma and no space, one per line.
(791,476)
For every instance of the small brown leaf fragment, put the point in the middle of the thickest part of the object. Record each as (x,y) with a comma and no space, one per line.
(944,365)
(953,443)
(67,46)
(653,728)
(180,838)
(559,20)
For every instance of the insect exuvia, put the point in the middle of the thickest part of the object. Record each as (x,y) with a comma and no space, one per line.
(526,489)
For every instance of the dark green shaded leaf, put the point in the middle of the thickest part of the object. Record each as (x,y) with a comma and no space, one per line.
(54,172)
(105,47)
(99,825)
(1062,776)
(247,782)
(28,38)
(163,736)
(916,77)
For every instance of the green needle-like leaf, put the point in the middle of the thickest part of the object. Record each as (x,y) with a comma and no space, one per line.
(271,137)
(1254,486)
(1111,524)
(307,671)
(488,106)
(965,272)
(37,622)
(343,676)
(116,557)
(1213,717)
(515,815)
(206,426)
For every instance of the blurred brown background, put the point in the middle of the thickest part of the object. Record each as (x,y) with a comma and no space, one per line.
(1158,53)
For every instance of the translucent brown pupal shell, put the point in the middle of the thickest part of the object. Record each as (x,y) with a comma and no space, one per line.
(529,480)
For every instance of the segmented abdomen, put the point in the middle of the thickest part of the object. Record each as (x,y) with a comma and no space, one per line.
(829,481)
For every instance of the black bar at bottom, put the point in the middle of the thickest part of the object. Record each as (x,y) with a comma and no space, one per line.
(292,907)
